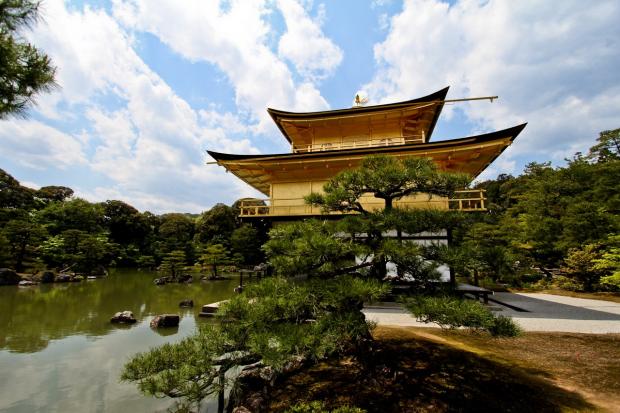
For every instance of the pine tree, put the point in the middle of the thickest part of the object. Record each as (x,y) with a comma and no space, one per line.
(24,70)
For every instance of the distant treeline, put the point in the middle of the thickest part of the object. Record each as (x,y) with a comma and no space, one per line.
(550,225)
(49,228)
(563,221)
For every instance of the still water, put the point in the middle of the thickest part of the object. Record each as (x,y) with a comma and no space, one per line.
(59,352)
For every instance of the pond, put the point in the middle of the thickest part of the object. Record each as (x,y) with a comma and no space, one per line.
(59,352)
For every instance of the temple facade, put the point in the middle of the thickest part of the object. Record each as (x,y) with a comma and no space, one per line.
(325,143)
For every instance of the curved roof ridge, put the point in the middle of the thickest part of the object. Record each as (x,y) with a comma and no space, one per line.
(435,96)
(438,96)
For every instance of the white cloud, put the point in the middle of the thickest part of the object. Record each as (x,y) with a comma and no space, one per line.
(304,44)
(235,40)
(553,64)
(151,144)
(36,145)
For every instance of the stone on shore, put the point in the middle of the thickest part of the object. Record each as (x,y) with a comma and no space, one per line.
(9,277)
(27,283)
(123,317)
(165,320)
(46,277)
(209,310)
(63,278)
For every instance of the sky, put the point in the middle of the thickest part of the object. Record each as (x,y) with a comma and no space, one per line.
(145,87)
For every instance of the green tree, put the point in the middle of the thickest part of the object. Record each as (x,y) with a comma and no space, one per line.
(176,231)
(311,248)
(146,261)
(124,222)
(93,252)
(77,214)
(580,264)
(23,238)
(389,179)
(609,263)
(246,241)
(52,251)
(607,147)
(128,228)
(24,70)
(276,323)
(54,193)
(214,255)
(4,251)
(386,178)
(547,211)
(15,199)
(78,250)
(216,224)
(173,264)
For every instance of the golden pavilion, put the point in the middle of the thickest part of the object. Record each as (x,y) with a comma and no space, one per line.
(325,143)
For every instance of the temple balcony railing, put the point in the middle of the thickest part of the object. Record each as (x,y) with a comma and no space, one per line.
(361,142)
(464,200)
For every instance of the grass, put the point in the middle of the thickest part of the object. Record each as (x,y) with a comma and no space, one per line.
(430,370)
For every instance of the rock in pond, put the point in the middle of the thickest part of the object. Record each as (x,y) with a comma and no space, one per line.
(162,280)
(9,277)
(46,277)
(123,317)
(185,278)
(186,303)
(165,320)
(27,283)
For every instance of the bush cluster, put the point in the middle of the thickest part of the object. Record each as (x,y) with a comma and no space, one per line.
(453,312)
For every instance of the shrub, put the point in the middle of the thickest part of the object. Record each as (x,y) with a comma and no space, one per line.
(319,407)
(452,312)
(503,326)
(565,283)
(610,283)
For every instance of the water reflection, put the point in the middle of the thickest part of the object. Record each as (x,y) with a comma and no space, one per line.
(31,317)
(59,352)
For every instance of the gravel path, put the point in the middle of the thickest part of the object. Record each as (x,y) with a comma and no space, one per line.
(545,312)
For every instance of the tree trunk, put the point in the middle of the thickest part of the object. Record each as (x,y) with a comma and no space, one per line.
(220,394)
(19,259)
(452,274)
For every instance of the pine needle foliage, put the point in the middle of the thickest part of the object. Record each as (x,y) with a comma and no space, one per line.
(24,70)
(272,322)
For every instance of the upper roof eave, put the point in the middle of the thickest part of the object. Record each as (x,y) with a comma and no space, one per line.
(440,96)
(511,133)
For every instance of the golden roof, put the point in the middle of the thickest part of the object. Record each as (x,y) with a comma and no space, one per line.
(412,118)
(469,155)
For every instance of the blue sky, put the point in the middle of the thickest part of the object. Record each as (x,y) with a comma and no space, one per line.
(146,86)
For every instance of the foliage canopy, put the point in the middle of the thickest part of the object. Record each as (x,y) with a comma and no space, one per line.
(24,70)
